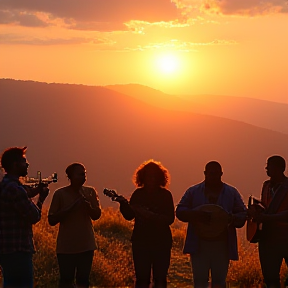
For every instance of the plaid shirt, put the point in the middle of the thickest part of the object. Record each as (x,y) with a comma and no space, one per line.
(17,214)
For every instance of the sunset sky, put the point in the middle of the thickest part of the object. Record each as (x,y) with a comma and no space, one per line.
(224,47)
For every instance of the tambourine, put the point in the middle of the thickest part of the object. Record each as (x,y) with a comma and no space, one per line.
(218,222)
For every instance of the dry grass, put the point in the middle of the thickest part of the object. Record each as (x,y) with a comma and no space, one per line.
(113,265)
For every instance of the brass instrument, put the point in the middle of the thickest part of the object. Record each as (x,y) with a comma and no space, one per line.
(32,182)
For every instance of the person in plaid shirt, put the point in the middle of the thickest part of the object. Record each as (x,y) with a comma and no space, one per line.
(17,215)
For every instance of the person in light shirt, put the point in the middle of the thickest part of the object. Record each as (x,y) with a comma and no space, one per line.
(73,207)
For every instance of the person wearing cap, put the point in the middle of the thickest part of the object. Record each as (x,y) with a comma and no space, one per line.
(17,215)
(273,238)
(73,207)
(211,251)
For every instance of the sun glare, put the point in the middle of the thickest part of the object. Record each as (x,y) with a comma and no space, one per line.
(168,63)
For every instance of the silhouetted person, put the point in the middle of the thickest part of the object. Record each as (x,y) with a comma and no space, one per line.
(73,207)
(152,207)
(211,253)
(273,243)
(17,215)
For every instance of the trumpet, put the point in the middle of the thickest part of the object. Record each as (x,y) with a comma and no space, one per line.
(32,182)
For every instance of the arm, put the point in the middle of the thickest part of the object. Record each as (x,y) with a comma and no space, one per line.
(54,214)
(168,215)
(239,212)
(94,209)
(22,204)
(125,208)
(31,192)
(183,210)
(165,215)
(278,217)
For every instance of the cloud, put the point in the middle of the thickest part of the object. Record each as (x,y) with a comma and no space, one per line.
(175,45)
(103,15)
(233,7)
(248,7)
(21,18)
(14,39)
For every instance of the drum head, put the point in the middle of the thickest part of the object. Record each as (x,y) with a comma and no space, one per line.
(218,223)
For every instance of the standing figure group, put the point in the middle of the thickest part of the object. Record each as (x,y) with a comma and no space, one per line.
(212,209)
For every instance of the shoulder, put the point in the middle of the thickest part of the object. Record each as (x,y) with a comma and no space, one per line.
(89,190)
(195,188)
(231,189)
(266,183)
(12,188)
(60,191)
(165,192)
(138,191)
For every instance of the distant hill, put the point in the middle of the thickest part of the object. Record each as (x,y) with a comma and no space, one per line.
(261,113)
(112,133)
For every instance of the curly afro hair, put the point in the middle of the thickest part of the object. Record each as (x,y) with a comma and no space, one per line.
(162,174)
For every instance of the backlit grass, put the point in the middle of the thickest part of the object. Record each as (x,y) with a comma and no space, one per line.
(113,265)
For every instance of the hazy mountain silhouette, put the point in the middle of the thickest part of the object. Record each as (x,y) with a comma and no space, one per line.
(112,133)
(262,113)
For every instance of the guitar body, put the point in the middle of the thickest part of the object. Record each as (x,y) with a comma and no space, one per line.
(253,233)
(253,228)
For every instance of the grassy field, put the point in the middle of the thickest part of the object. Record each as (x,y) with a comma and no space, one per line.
(113,266)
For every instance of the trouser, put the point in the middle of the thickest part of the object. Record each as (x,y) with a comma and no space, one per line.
(147,258)
(271,255)
(210,256)
(76,263)
(17,270)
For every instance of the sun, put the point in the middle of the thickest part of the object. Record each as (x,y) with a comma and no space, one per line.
(168,63)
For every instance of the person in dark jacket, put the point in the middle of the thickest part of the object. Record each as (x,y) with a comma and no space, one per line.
(152,207)
(273,247)
(17,215)
(211,252)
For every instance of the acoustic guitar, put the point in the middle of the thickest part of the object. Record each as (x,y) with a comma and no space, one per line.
(253,228)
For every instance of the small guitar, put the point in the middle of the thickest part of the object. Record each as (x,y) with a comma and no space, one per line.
(113,195)
(253,228)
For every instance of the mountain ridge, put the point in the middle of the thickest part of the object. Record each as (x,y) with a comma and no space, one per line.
(112,134)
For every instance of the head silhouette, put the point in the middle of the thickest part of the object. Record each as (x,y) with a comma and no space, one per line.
(151,173)
(276,166)
(76,173)
(14,161)
(213,173)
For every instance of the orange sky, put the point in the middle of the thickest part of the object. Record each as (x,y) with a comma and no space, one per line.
(229,47)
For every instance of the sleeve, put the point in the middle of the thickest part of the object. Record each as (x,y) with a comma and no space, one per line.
(183,209)
(55,207)
(95,212)
(168,215)
(239,210)
(126,209)
(22,204)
